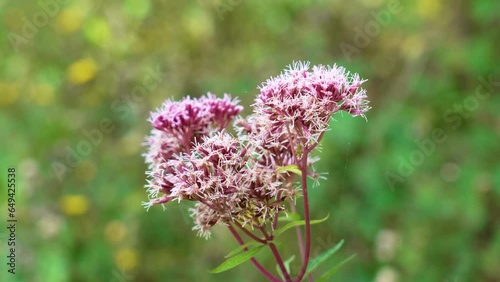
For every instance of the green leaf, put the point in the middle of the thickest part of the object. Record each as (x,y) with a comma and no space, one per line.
(292,216)
(334,269)
(237,259)
(240,248)
(287,267)
(323,257)
(297,223)
(289,168)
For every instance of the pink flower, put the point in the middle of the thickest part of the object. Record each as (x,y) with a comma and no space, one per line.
(190,119)
(227,180)
(237,179)
(301,101)
(177,125)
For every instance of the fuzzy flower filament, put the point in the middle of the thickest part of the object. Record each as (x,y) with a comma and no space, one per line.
(222,174)
(246,180)
(300,102)
(176,127)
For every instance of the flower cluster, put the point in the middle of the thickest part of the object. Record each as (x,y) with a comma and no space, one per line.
(237,179)
(176,127)
(224,175)
(191,119)
(299,103)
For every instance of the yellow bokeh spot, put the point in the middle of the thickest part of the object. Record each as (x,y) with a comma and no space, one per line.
(42,94)
(69,21)
(126,259)
(86,170)
(8,93)
(82,71)
(429,9)
(74,205)
(412,47)
(115,232)
(199,25)
(131,144)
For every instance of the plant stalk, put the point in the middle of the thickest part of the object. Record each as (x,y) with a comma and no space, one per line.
(253,260)
(307,217)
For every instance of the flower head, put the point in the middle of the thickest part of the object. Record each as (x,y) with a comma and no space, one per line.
(301,101)
(190,119)
(227,180)
(176,127)
(240,179)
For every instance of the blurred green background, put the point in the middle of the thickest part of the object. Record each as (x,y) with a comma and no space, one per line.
(415,191)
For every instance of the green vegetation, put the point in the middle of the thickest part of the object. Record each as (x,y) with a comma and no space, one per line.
(414,192)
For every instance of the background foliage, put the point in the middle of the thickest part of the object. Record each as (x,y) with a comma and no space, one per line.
(83,61)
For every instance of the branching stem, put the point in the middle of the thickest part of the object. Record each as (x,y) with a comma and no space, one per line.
(253,260)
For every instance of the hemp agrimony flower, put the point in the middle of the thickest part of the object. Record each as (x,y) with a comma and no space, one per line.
(222,174)
(300,102)
(245,181)
(176,126)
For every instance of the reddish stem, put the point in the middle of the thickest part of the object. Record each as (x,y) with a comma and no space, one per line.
(307,218)
(253,260)
(275,221)
(309,149)
(291,144)
(250,234)
(300,238)
(279,260)
(276,254)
